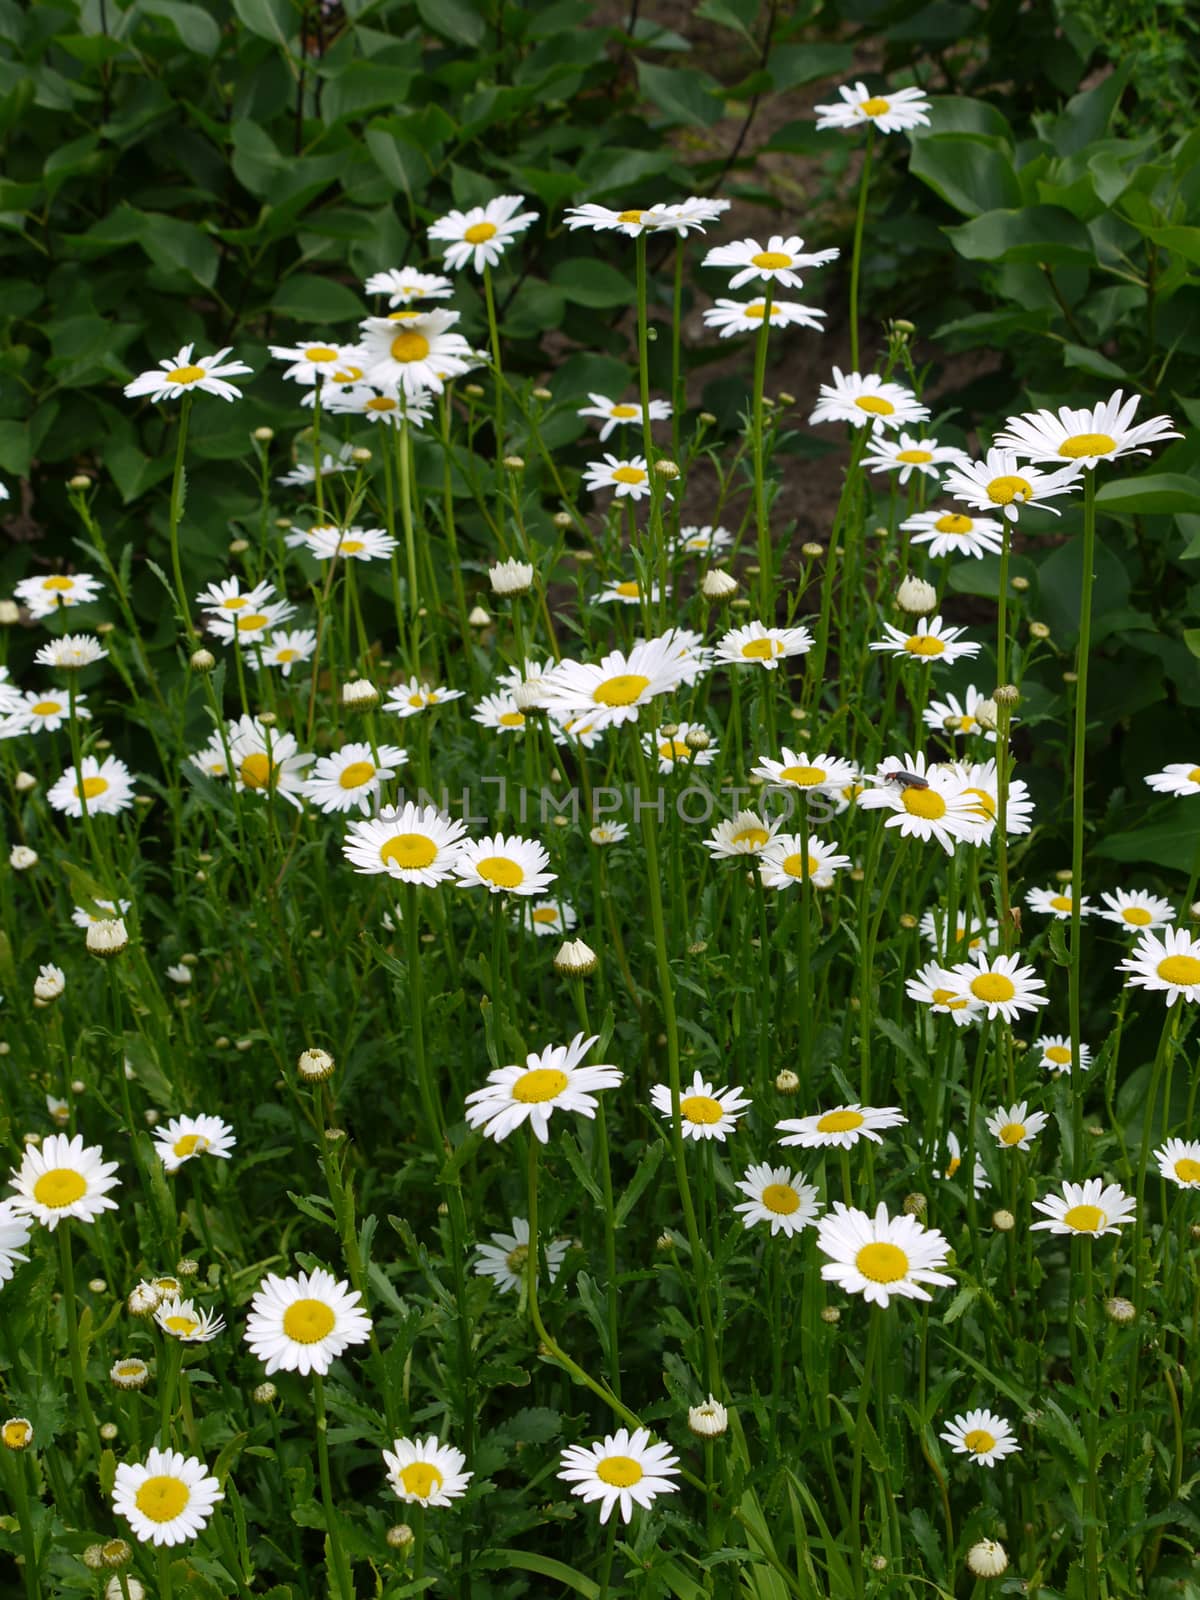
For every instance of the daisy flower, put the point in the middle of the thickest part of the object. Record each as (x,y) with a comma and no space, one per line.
(778,262)
(1057,903)
(417,356)
(631,221)
(782,863)
(211,759)
(897,111)
(185,1137)
(867,400)
(63,1178)
(480,236)
(1169,964)
(229,596)
(614,689)
(416,844)
(693,657)
(1001,984)
(954,1160)
(697,211)
(105,911)
(1136,908)
(702,541)
(506,1259)
(629,593)
(44,596)
(286,648)
(379,403)
(909,454)
(778,1198)
(842,1127)
(953,533)
(547,918)
(1179,1160)
(584,731)
(311,363)
(737,316)
(704,1112)
(302,1324)
(504,865)
(606,833)
(266,761)
(14,1232)
(353,776)
(10,696)
(248,628)
(182,1321)
(975,936)
(673,750)
(1177,777)
(936,988)
(881,1256)
(167,1499)
(753,644)
(629,479)
(820,773)
(402,285)
(106,785)
(1014,1126)
(982,1435)
(744,834)
(614,413)
(71,652)
(187,374)
(1093,1207)
(304,473)
(425,1473)
(625,1470)
(1085,435)
(954,717)
(1002,481)
(1054,1050)
(499,711)
(934,807)
(552,1080)
(979,783)
(355,544)
(407,699)
(932,641)
(46,710)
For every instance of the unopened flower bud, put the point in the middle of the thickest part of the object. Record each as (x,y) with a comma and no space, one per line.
(665,1243)
(479,618)
(21,858)
(987,715)
(575,959)
(1008,695)
(474,390)
(1020,584)
(563,519)
(400,1536)
(10,613)
(697,739)
(360,455)
(916,597)
(907,920)
(514,463)
(314,1065)
(915,1205)
(202,660)
(987,1559)
(116,1552)
(786,1081)
(24,782)
(830,1314)
(812,550)
(666,469)
(264,435)
(79,482)
(108,1431)
(107,937)
(1039,630)
(708,1421)
(1118,1309)
(263,1394)
(238,547)
(511,577)
(541,393)
(359,694)
(1003,1221)
(718,585)
(142,1300)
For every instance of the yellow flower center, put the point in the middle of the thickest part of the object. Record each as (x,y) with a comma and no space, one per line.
(875,404)
(501,870)
(188,374)
(545,914)
(882,1263)
(1084,1219)
(622,412)
(286,655)
(757,311)
(91,788)
(308,1321)
(257,771)
(182,1325)
(914,458)
(1061,902)
(806,777)
(1137,915)
(422,1477)
(622,690)
(629,216)
(1194,775)
(965,724)
(1059,1054)
(926,803)
(60,585)
(1087,444)
(320,352)
(796,867)
(1003,491)
(190,1144)
(233,602)
(538,1085)
(381,402)
(628,475)
(517,1259)
(162,1498)
(762,649)
(992,986)
(754,836)
(771,260)
(347,375)
(780,1198)
(1187,1170)
(621,1472)
(59,1187)
(356,774)
(410,346)
(47,708)
(251,622)
(980,1441)
(409,850)
(948,998)
(953,522)
(675,750)
(1183,970)
(480,232)
(511,719)
(701,1108)
(628,591)
(876,106)
(404,316)
(986,806)
(924,644)
(351,547)
(16,1433)
(1012,1133)
(840,1121)
(955,1163)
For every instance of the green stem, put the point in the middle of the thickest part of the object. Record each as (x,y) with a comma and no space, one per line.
(74,1349)
(760,487)
(497,369)
(341,1570)
(864,184)
(20,1494)
(1078,758)
(176,510)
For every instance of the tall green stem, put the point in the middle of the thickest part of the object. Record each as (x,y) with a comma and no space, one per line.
(864,184)
(341,1569)
(1078,759)
(74,1348)
(497,369)
(760,487)
(175,512)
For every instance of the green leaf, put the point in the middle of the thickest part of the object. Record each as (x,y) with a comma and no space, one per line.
(195,27)
(1150,495)
(588,282)
(681,94)
(456,20)
(1041,234)
(1179,241)
(969,173)
(545,1567)
(958,113)
(14,449)
(316,301)
(269,19)
(791,65)
(1158,844)
(647,1167)
(1082,359)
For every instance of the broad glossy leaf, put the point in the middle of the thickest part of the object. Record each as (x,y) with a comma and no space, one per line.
(681,94)
(1033,233)
(972,174)
(1153,494)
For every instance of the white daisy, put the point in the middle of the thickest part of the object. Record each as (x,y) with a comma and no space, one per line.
(304,472)
(779,261)
(380,403)
(286,648)
(506,1259)
(881,1256)
(105,911)
(702,541)
(1086,436)
(982,1435)
(979,783)
(44,596)
(867,400)
(415,844)
(1002,481)
(778,1198)
(629,593)
(1177,777)
(552,1080)
(504,865)
(302,1324)
(1169,963)
(185,1137)
(936,988)
(630,221)
(1179,1160)
(311,363)
(693,657)
(933,806)
(972,936)
(697,211)
(167,1499)
(624,1471)
(547,919)
(744,834)
(480,236)
(248,628)
(1001,984)
(187,374)
(617,413)
(62,1178)
(671,749)
(932,641)
(402,285)
(614,689)
(1057,903)
(953,533)
(753,644)
(499,711)
(352,777)
(783,864)
(408,699)
(811,774)
(351,544)
(629,479)
(1136,909)
(737,316)
(181,1320)
(606,833)
(1014,1126)
(211,759)
(909,454)
(106,785)
(71,652)
(426,1473)
(1093,1207)
(704,1111)
(1054,1051)
(46,710)
(982,1182)
(960,718)
(266,761)
(842,1127)
(414,357)
(228,596)
(897,111)
(14,1232)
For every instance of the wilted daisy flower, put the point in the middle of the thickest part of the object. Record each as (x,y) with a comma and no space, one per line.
(613,690)
(506,1259)
(1054,1050)
(936,988)
(403,285)
(44,596)
(605,833)
(185,374)
(880,1256)
(933,806)
(167,1499)
(1177,777)
(956,717)
(1178,1160)
(1057,903)
(842,1127)
(63,1178)
(311,363)
(413,843)
(407,699)
(1001,984)
(953,533)
(351,544)
(248,628)
(14,1232)
(702,541)
(672,748)
(70,652)
(704,1111)
(228,595)
(504,865)
(49,983)
(106,785)
(499,711)
(737,316)
(547,918)
(932,641)
(1093,1207)
(1014,1126)
(302,1324)
(266,761)
(614,413)
(744,834)
(982,1435)
(426,1473)
(1136,909)
(979,783)
(894,112)
(182,1321)
(756,645)
(625,1470)
(627,478)
(1169,964)
(416,356)
(629,593)
(1086,435)
(778,262)
(1001,480)
(480,236)
(779,1198)
(352,776)
(819,773)
(286,648)
(552,1080)
(867,400)
(783,863)
(185,1137)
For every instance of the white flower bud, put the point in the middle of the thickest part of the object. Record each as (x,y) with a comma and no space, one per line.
(916,597)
